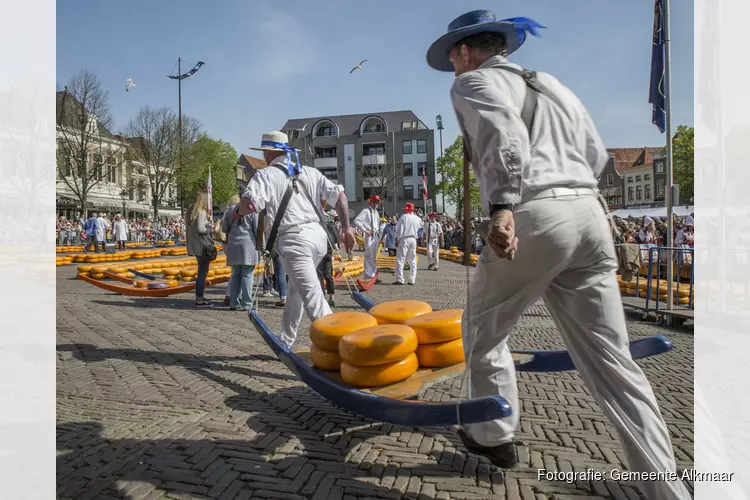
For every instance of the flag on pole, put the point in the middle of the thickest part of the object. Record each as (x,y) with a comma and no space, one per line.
(424,187)
(209,189)
(656,95)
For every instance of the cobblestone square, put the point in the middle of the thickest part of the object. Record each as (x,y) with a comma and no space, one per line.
(156,399)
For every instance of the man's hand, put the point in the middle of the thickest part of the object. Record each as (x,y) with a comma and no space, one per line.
(502,235)
(347,236)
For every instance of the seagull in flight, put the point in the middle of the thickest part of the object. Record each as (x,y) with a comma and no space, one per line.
(358,66)
(129,83)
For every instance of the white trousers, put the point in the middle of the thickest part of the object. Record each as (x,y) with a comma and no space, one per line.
(371,255)
(433,253)
(407,251)
(566,257)
(300,254)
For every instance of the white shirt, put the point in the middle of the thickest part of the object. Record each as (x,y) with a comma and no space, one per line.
(645,236)
(120,230)
(408,226)
(368,220)
(269,184)
(433,231)
(564,152)
(682,238)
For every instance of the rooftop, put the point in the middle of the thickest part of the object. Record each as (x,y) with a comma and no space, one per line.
(349,124)
(627,159)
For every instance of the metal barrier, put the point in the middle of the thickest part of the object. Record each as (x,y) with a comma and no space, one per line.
(657,260)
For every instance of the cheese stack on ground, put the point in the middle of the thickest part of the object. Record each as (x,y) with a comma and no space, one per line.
(326,332)
(439,334)
(379,355)
(399,311)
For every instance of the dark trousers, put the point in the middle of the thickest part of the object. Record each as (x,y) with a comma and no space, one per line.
(391,252)
(325,272)
(89,242)
(200,281)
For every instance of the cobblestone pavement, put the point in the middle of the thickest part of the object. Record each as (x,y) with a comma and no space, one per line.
(156,399)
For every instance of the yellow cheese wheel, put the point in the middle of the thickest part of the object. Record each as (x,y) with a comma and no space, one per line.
(98,269)
(437,326)
(170,272)
(97,276)
(683,300)
(325,360)
(378,345)
(398,311)
(84,269)
(442,354)
(326,332)
(156,270)
(172,283)
(129,275)
(373,376)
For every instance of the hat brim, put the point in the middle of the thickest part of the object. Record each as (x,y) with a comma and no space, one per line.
(439,52)
(269,148)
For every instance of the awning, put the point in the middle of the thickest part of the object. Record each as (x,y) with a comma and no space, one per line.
(652,212)
(169,212)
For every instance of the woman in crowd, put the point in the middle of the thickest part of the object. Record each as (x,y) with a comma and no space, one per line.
(390,236)
(198,224)
(242,256)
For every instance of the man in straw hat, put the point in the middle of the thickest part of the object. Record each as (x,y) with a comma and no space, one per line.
(434,237)
(537,157)
(302,241)
(368,221)
(407,229)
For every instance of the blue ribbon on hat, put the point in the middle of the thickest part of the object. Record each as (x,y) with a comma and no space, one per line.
(295,168)
(525,25)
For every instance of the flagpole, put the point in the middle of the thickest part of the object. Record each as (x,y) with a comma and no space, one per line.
(668,130)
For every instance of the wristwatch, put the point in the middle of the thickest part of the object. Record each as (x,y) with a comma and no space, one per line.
(495,208)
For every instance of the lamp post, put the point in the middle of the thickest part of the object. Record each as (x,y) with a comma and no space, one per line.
(124,195)
(439,120)
(179,77)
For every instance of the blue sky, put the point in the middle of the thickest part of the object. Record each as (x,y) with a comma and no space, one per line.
(270,61)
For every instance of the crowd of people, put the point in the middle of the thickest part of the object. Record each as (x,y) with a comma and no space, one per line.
(76,232)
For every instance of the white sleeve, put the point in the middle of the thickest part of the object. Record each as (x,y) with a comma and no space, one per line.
(258,190)
(359,220)
(326,189)
(497,138)
(596,154)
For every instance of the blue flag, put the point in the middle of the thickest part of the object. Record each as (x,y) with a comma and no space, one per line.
(656,95)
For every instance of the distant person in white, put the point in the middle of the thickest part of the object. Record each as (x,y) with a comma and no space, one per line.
(434,237)
(548,239)
(302,242)
(407,229)
(101,231)
(685,235)
(368,222)
(120,232)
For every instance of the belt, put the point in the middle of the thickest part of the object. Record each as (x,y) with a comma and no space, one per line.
(407,237)
(559,192)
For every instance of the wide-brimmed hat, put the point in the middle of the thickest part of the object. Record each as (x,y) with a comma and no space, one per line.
(274,141)
(409,207)
(479,21)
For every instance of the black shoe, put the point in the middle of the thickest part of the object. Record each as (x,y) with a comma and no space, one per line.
(331,302)
(399,283)
(502,456)
(281,303)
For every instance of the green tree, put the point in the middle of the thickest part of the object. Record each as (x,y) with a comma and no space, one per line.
(222,158)
(683,160)
(451,169)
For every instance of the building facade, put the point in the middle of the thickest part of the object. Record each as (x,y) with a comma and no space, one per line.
(636,166)
(611,185)
(114,181)
(388,154)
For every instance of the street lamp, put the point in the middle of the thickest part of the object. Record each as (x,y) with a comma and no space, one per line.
(124,196)
(179,77)
(439,120)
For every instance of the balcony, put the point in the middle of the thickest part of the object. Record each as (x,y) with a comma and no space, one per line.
(326,162)
(373,159)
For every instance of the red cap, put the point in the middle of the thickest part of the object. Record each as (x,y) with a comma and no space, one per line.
(375,198)
(432,213)
(409,207)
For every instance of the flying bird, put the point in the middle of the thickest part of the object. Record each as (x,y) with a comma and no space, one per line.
(129,83)
(358,66)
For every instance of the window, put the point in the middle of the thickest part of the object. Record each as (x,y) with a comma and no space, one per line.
(630,179)
(408,193)
(373,149)
(638,193)
(325,152)
(98,167)
(370,171)
(406,147)
(330,173)
(660,167)
(422,168)
(325,129)
(373,125)
(610,179)
(660,184)
(648,191)
(64,164)
(421,146)
(406,125)
(408,169)
(630,193)
(637,178)
(112,169)
(647,177)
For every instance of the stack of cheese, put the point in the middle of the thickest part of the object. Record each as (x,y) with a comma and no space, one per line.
(379,355)
(439,334)
(326,332)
